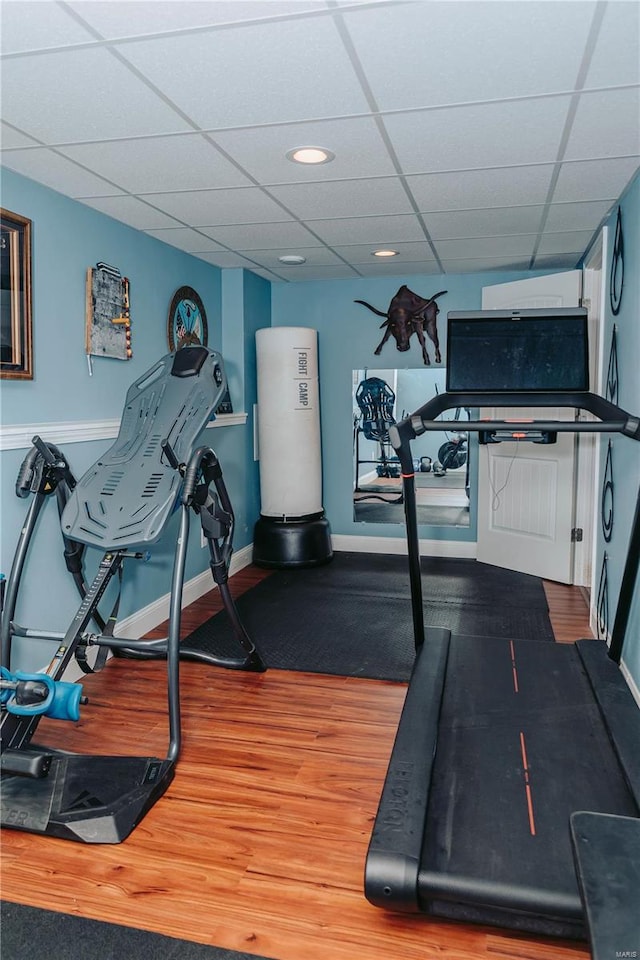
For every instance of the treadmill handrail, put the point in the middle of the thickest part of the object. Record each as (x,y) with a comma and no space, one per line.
(611,419)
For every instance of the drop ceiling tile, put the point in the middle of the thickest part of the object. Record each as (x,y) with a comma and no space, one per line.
(12,138)
(486,135)
(266,73)
(399,270)
(616,58)
(315,257)
(156,164)
(451,53)
(607,124)
(567,261)
(376,230)
(482,247)
(185,239)
(484,265)
(503,186)
(363,253)
(335,197)
(259,236)
(358,146)
(132,211)
(460,224)
(48,167)
(594,179)
(576,216)
(225,260)
(37,26)
(139,17)
(304,272)
(565,243)
(55,97)
(208,208)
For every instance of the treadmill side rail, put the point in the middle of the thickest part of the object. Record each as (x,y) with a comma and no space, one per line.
(393,858)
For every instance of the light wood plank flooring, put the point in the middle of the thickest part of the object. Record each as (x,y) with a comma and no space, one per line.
(259,843)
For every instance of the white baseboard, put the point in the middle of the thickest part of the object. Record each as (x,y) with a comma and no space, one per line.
(633,686)
(398,545)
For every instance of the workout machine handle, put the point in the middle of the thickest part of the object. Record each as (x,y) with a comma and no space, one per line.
(52,457)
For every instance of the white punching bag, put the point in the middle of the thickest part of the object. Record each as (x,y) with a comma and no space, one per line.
(292,530)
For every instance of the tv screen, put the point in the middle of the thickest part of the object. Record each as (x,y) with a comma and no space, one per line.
(497,351)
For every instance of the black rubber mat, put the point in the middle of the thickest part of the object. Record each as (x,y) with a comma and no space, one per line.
(352,616)
(28,931)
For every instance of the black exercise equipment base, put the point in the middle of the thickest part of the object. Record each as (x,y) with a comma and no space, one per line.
(498,744)
(93,799)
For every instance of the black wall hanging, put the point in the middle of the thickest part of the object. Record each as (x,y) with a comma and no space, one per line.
(602,607)
(616,275)
(613,378)
(607,499)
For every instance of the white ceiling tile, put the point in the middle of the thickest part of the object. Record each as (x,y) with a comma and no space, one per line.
(616,59)
(156,164)
(304,272)
(484,264)
(139,17)
(566,261)
(131,211)
(470,189)
(314,256)
(400,270)
(459,224)
(407,252)
(253,75)
(333,198)
(377,230)
(225,260)
(607,124)
(259,236)
(568,242)
(512,246)
(185,239)
(491,134)
(359,148)
(594,179)
(576,216)
(459,52)
(12,138)
(37,25)
(208,208)
(48,167)
(55,97)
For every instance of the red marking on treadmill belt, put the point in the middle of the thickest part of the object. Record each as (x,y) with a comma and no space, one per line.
(527,785)
(514,669)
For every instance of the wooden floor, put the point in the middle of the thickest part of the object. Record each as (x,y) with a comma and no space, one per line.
(259,843)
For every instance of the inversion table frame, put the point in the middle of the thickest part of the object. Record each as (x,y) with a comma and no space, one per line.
(121,505)
(470,825)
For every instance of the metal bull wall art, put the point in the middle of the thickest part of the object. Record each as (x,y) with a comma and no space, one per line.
(408,314)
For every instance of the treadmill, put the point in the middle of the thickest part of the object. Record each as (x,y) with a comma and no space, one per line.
(501,742)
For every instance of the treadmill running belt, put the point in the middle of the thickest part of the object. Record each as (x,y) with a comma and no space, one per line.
(521,745)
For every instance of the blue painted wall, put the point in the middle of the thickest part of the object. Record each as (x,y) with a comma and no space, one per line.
(348,335)
(626,454)
(69,237)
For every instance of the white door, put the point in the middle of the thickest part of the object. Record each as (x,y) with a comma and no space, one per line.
(526,490)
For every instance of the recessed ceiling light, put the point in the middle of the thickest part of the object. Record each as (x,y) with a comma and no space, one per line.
(310,155)
(292,259)
(385,253)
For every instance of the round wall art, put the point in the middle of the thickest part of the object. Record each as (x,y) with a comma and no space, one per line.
(187,321)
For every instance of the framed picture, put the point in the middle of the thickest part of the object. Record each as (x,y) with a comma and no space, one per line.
(16,358)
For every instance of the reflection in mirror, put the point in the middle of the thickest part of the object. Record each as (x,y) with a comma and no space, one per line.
(380,397)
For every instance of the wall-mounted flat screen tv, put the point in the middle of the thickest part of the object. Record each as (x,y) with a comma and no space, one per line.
(498,351)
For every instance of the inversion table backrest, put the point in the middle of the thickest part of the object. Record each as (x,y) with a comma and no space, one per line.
(126,498)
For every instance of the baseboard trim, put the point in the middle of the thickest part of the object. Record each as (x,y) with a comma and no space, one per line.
(464,549)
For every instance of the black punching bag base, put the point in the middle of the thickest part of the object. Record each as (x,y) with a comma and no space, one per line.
(302,542)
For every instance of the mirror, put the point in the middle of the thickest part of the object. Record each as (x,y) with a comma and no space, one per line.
(441,462)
